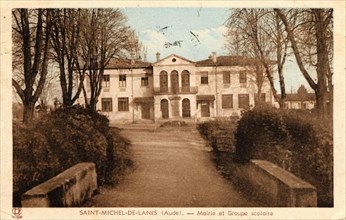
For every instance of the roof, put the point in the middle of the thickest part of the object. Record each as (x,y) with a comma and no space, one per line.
(299,97)
(230,61)
(117,63)
(173,55)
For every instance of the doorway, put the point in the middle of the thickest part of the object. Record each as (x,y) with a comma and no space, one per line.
(145,111)
(186,108)
(205,110)
(164,108)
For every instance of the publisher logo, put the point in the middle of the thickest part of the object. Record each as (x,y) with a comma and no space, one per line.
(17,213)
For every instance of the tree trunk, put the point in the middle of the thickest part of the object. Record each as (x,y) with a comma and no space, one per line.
(282,103)
(322,58)
(322,63)
(28,114)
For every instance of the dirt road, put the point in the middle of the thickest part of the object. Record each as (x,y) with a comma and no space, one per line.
(173,169)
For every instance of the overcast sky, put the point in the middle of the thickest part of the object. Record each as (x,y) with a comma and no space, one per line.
(199,31)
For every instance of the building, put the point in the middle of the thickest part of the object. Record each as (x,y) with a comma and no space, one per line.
(298,101)
(177,88)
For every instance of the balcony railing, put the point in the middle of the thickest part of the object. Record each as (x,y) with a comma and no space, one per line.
(175,90)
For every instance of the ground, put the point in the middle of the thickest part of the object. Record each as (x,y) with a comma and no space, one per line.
(174,168)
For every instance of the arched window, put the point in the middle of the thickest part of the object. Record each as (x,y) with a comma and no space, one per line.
(163,81)
(185,81)
(186,108)
(174,82)
(164,108)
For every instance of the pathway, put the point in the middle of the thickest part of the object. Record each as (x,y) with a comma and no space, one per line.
(173,169)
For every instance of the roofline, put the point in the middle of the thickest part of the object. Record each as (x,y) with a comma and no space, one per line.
(173,55)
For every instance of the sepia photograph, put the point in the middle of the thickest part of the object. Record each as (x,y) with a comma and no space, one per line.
(173,112)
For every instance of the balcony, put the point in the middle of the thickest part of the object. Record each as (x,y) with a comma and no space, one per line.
(175,90)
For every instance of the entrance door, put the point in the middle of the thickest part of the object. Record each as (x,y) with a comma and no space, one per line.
(164,108)
(186,108)
(205,111)
(145,111)
(174,82)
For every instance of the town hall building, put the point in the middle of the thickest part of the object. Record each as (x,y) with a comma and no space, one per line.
(175,88)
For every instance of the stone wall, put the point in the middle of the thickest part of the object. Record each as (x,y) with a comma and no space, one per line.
(274,185)
(68,189)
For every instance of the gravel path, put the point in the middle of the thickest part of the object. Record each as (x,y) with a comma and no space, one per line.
(173,169)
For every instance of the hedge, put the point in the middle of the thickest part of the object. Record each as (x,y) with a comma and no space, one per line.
(264,132)
(219,133)
(62,139)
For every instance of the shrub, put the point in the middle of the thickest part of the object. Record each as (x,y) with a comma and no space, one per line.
(219,133)
(264,132)
(77,135)
(62,139)
(259,132)
(33,161)
(312,147)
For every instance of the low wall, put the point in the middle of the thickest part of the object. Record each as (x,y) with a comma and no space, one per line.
(274,185)
(68,189)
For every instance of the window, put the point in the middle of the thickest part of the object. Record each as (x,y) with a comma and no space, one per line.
(186,108)
(122,80)
(242,77)
(163,81)
(262,98)
(174,81)
(226,77)
(144,81)
(185,81)
(227,101)
(106,104)
(105,81)
(243,101)
(204,77)
(123,104)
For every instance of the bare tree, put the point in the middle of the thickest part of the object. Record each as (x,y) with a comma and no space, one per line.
(104,36)
(313,36)
(260,34)
(31,35)
(66,44)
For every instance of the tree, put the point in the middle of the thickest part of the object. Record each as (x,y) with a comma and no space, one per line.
(104,36)
(314,36)
(259,33)
(302,90)
(65,41)
(31,35)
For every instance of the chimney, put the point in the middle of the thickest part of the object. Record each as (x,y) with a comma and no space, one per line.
(214,57)
(157,56)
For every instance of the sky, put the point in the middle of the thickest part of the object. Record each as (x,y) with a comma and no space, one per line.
(193,33)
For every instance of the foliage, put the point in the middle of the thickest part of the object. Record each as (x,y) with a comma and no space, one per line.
(62,139)
(33,160)
(219,133)
(258,132)
(312,147)
(262,131)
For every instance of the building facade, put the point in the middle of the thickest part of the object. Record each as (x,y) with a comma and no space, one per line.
(298,101)
(177,88)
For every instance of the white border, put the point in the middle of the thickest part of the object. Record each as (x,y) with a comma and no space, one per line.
(338,212)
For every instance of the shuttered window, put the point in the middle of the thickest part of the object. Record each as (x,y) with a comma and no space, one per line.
(227,101)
